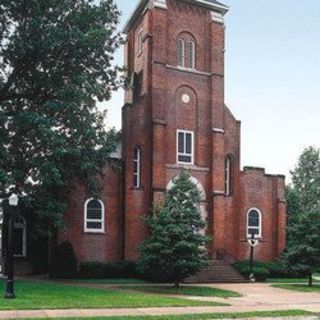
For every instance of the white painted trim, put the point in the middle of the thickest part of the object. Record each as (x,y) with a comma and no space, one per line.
(24,237)
(88,230)
(184,153)
(217,17)
(194,71)
(218,130)
(260,223)
(162,4)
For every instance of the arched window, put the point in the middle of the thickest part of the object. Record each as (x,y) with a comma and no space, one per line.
(228,176)
(20,237)
(94,216)
(137,167)
(192,55)
(181,52)
(254,223)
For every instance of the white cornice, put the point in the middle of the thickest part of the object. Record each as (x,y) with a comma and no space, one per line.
(162,4)
(217,17)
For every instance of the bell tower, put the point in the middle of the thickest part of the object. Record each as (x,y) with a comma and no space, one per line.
(174,116)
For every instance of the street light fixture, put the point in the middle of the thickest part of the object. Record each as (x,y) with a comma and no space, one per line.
(13,202)
(253,243)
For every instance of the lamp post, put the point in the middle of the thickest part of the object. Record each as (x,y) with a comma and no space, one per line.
(13,202)
(253,243)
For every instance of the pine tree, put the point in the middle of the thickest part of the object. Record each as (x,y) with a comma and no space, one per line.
(303,253)
(303,232)
(175,249)
(55,64)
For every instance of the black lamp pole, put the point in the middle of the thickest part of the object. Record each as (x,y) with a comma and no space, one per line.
(13,201)
(252,277)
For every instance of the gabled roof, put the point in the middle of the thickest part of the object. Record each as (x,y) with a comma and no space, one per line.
(141,5)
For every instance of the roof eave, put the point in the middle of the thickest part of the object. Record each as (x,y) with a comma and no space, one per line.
(222,9)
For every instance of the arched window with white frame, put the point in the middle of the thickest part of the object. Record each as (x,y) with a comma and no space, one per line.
(94,216)
(254,223)
(181,52)
(192,55)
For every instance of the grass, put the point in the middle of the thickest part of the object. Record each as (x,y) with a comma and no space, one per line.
(298,287)
(187,290)
(109,281)
(206,316)
(290,280)
(41,295)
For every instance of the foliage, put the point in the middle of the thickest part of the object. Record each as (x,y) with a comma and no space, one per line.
(303,254)
(65,262)
(55,64)
(175,249)
(276,269)
(115,270)
(260,269)
(43,295)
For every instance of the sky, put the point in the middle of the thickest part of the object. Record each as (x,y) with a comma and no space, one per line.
(272,78)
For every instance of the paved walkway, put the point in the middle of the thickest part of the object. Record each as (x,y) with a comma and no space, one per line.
(255,297)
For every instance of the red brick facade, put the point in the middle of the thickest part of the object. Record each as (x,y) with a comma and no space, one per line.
(165,98)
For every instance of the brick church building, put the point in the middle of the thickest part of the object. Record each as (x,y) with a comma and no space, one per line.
(174,118)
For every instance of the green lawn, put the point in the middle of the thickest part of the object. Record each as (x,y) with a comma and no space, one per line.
(109,281)
(261,314)
(299,287)
(41,295)
(187,290)
(290,280)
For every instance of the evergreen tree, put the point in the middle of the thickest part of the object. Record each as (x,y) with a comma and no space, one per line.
(303,231)
(303,253)
(55,64)
(175,249)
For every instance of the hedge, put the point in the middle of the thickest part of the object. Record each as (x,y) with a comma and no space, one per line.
(115,270)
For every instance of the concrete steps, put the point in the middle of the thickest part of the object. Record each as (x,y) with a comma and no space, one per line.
(218,271)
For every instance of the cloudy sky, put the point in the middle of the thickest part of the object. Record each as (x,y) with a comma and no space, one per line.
(272,78)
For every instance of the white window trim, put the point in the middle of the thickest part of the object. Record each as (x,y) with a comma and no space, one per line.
(228,176)
(140,42)
(183,53)
(24,238)
(138,173)
(102,220)
(259,235)
(193,66)
(185,154)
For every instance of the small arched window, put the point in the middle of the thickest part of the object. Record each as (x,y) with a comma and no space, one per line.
(192,55)
(181,52)
(228,176)
(254,223)
(94,216)
(137,167)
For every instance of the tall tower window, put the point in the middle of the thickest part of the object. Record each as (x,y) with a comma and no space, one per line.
(94,216)
(181,52)
(137,167)
(140,42)
(192,55)
(185,147)
(254,223)
(228,176)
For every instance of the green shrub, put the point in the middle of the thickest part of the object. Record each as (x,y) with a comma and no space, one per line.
(113,270)
(64,263)
(276,269)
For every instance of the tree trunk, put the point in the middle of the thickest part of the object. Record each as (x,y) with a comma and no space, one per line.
(177,285)
(310,280)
